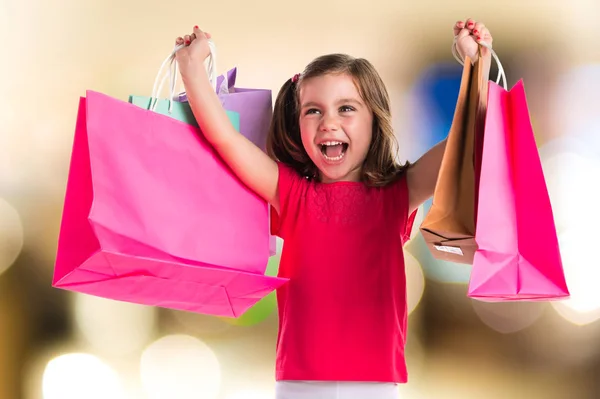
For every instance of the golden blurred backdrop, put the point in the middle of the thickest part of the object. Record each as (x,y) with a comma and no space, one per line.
(56,344)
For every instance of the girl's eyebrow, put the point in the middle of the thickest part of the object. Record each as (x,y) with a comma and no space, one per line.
(340,101)
(349,101)
(310,104)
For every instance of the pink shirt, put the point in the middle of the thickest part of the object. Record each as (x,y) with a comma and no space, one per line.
(342,315)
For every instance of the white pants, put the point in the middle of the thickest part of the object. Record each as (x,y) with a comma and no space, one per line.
(335,390)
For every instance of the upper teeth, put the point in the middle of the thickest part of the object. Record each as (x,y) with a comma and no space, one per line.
(328,143)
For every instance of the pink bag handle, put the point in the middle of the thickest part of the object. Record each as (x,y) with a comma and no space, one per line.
(501,73)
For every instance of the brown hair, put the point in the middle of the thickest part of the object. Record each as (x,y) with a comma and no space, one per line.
(285,145)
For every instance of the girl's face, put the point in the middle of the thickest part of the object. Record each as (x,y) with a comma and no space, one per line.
(336,126)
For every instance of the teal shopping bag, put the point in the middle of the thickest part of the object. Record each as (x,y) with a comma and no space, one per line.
(179,110)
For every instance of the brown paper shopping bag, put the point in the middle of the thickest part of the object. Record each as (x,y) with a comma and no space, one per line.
(449,226)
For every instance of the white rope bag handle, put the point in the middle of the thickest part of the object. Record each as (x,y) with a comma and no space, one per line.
(501,73)
(173,70)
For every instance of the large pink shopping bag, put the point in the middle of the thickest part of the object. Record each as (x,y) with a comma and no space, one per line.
(518,257)
(153,216)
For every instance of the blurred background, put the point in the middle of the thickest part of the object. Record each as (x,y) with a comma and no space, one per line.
(56,344)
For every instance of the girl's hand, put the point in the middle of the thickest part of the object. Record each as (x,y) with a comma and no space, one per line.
(468,35)
(192,56)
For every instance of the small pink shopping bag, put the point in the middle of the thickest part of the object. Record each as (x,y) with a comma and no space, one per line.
(518,257)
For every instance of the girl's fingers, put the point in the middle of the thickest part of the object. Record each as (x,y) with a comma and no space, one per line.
(487,36)
(462,34)
(470,23)
(478,29)
(200,32)
(458,26)
(188,39)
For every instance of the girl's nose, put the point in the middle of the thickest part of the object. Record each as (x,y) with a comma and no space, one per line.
(329,124)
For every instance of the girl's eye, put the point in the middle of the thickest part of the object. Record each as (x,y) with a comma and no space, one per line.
(312,111)
(346,108)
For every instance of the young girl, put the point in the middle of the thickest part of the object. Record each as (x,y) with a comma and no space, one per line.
(344,208)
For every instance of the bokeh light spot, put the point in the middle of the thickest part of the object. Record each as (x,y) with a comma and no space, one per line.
(578,254)
(180,366)
(569,169)
(508,317)
(114,327)
(11,235)
(415,281)
(80,375)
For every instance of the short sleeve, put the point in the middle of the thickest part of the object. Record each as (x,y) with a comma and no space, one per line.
(408,220)
(290,187)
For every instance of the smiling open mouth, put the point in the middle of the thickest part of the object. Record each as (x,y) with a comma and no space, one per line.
(333,150)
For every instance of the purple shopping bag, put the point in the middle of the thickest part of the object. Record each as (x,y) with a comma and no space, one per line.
(152,215)
(518,257)
(255,108)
